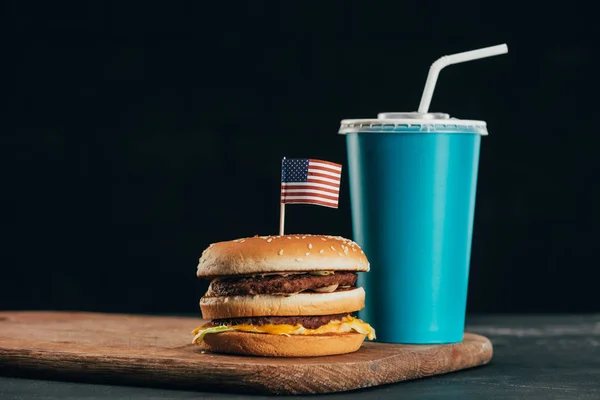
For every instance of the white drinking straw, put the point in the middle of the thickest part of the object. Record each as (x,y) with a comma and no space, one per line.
(444,61)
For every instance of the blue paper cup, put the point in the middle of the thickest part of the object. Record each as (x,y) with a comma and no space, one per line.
(413,181)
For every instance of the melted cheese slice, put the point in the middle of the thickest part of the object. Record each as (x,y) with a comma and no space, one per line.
(347,324)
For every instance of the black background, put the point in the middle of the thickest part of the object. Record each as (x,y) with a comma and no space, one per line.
(134,135)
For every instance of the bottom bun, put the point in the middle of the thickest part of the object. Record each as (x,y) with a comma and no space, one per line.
(261,344)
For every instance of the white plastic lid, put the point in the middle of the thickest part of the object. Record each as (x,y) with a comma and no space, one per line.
(413,122)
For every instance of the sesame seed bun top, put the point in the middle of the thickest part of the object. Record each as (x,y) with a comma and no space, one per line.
(287,253)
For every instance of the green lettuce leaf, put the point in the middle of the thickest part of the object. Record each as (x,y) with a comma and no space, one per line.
(358,328)
(217,329)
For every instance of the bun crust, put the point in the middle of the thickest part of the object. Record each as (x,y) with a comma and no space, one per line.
(259,344)
(345,301)
(287,253)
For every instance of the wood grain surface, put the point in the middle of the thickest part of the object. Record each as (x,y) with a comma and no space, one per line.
(157,351)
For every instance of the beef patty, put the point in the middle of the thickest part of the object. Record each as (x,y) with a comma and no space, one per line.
(275,284)
(311,322)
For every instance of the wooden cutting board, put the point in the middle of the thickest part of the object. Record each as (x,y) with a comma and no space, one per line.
(157,351)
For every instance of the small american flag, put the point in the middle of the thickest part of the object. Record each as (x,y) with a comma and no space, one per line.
(309,181)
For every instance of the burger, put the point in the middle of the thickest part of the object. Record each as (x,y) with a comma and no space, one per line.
(283,296)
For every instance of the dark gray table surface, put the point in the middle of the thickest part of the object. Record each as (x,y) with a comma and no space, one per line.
(536,357)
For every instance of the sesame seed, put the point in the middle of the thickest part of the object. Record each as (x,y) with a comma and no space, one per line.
(346,251)
(242,240)
(303,237)
(362,252)
(307,254)
(297,237)
(340,254)
(289,238)
(298,259)
(332,248)
(321,251)
(310,246)
(280,252)
(353,249)
(323,239)
(269,240)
